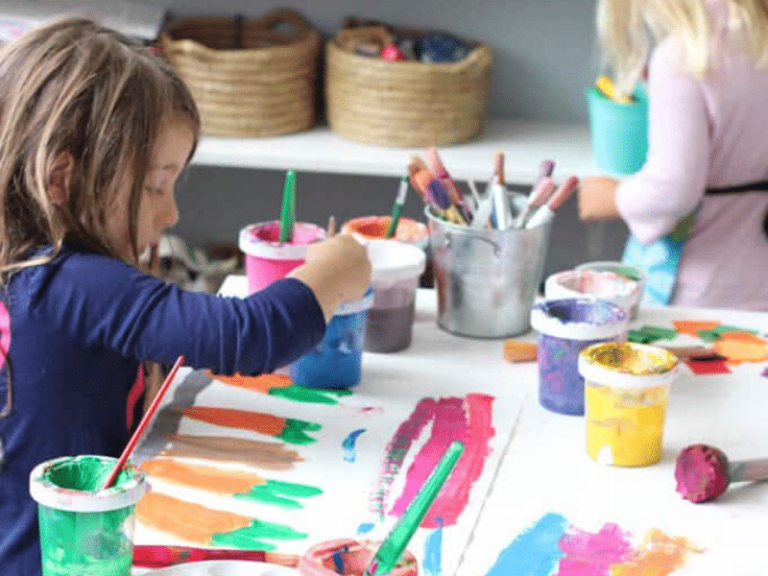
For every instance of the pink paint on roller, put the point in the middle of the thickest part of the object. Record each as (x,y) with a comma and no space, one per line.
(467,420)
(267,259)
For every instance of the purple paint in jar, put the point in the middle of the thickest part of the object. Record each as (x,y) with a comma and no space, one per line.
(567,326)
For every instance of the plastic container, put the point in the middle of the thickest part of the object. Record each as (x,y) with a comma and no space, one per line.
(635,273)
(626,394)
(600,284)
(267,259)
(347,556)
(487,279)
(337,361)
(84,530)
(374,227)
(565,328)
(619,131)
(396,268)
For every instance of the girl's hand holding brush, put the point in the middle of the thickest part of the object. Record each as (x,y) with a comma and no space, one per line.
(336,270)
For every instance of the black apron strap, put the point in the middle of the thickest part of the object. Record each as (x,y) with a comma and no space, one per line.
(758,186)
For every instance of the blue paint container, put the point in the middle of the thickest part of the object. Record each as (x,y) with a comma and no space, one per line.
(337,361)
(567,326)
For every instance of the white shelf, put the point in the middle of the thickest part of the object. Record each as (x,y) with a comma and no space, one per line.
(525,145)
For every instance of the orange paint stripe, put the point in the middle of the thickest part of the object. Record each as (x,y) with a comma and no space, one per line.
(255,421)
(205,477)
(743,337)
(691,327)
(659,555)
(191,522)
(263,383)
(738,351)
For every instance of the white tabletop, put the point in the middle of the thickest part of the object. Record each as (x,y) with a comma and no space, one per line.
(544,468)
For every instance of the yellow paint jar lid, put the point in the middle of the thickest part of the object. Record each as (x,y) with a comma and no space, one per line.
(628,365)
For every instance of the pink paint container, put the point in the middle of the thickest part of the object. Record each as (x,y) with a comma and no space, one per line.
(267,259)
(349,557)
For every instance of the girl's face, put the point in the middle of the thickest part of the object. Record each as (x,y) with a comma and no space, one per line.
(157,208)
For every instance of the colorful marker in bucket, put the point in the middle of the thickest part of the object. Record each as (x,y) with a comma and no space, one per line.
(567,326)
(85,530)
(626,394)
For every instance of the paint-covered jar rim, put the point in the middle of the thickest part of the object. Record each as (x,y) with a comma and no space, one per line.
(580,319)
(127,491)
(262,240)
(393,261)
(628,365)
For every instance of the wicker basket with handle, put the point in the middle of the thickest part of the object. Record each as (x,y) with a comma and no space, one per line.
(249,77)
(406,103)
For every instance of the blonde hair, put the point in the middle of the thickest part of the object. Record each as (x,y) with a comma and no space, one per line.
(74,86)
(628,29)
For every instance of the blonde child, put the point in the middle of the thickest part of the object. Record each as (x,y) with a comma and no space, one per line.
(94,132)
(697,208)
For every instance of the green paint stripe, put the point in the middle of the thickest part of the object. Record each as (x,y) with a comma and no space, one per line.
(282,494)
(301,394)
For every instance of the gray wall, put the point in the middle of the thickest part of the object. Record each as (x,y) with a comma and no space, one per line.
(545,56)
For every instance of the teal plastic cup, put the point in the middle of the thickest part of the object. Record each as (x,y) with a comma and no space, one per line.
(85,531)
(619,131)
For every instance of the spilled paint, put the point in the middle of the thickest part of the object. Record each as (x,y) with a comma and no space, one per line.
(281,494)
(593,554)
(348,445)
(202,525)
(535,552)
(365,527)
(433,553)
(287,429)
(264,455)
(282,386)
(397,449)
(467,420)
(553,547)
(198,476)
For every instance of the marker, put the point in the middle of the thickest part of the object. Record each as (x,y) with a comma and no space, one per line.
(540,194)
(441,173)
(501,210)
(397,208)
(546,212)
(393,546)
(288,210)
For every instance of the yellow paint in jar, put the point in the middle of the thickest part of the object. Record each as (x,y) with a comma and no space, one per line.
(625,401)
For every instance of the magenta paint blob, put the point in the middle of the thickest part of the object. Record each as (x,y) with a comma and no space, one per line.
(565,328)
(267,259)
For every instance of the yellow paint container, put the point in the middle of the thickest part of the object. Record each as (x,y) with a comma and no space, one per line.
(625,401)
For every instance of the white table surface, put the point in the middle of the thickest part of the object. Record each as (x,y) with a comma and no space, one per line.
(546,468)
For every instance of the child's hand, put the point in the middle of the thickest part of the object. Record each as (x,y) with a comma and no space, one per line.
(597,198)
(337,270)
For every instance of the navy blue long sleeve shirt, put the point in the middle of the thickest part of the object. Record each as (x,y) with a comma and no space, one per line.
(78,328)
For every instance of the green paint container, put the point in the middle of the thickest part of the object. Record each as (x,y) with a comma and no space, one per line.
(85,531)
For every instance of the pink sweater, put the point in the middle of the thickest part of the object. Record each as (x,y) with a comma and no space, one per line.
(705,133)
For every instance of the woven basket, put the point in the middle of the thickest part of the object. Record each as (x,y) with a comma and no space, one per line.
(247,77)
(406,103)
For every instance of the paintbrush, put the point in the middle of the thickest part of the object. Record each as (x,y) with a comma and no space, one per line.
(704,472)
(142,425)
(162,556)
(540,194)
(393,546)
(397,208)
(546,212)
(288,209)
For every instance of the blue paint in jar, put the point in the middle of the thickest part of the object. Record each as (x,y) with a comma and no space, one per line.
(567,326)
(337,361)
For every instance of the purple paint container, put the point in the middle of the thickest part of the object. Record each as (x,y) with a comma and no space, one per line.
(567,326)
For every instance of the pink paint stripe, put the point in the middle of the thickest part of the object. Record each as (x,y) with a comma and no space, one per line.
(451,423)
(397,448)
(592,554)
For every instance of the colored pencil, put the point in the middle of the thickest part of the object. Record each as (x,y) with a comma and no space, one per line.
(142,425)
(288,210)
(397,208)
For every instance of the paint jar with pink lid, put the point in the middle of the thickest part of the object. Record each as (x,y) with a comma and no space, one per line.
(85,530)
(626,395)
(350,557)
(267,259)
(567,326)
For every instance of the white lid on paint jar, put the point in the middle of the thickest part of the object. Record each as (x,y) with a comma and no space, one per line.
(48,494)
(609,320)
(393,261)
(628,365)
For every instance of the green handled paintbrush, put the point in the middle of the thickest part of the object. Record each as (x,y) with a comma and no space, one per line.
(390,550)
(397,208)
(288,209)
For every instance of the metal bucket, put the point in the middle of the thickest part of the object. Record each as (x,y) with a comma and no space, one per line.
(486,279)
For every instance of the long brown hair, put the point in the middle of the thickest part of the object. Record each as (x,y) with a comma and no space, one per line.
(77,87)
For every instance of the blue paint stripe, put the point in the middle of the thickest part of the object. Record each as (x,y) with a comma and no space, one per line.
(433,552)
(348,445)
(534,552)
